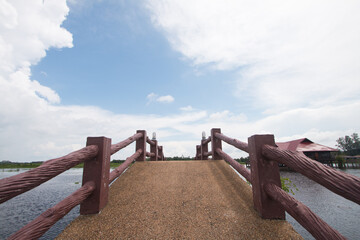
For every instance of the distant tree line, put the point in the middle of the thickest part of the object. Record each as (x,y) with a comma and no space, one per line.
(349,145)
(242,160)
(177,158)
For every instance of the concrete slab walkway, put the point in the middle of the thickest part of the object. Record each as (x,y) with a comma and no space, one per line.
(179,200)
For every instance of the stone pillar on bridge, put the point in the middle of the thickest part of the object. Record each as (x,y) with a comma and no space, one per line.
(198,152)
(264,171)
(161,153)
(204,149)
(97,170)
(215,143)
(154,149)
(141,144)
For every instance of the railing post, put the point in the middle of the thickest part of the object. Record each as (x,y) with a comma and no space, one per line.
(197,152)
(141,144)
(154,149)
(215,143)
(264,171)
(161,154)
(204,150)
(97,170)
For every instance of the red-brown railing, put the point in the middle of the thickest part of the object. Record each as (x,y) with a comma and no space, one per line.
(270,201)
(93,195)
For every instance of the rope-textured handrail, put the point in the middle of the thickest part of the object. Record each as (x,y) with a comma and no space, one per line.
(116,147)
(206,154)
(341,183)
(238,167)
(120,169)
(206,141)
(47,219)
(234,142)
(309,220)
(150,141)
(20,183)
(150,154)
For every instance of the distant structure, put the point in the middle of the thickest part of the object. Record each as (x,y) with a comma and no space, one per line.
(312,150)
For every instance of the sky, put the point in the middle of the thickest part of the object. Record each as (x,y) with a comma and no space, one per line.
(73,69)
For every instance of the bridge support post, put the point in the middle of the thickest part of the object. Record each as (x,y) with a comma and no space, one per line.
(204,150)
(141,144)
(264,171)
(215,143)
(154,149)
(160,153)
(198,152)
(97,170)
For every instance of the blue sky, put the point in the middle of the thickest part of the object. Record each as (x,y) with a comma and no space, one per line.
(119,58)
(72,69)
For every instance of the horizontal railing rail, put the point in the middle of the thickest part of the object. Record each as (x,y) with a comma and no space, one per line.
(47,219)
(93,195)
(270,201)
(207,154)
(301,213)
(208,140)
(118,146)
(237,166)
(13,186)
(343,184)
(150,154)
(232,141)
(120,169)
(151,142)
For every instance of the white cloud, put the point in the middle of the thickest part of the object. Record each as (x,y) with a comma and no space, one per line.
(288,54)
(30,121)
(187,108)
(162,99)
(165,99)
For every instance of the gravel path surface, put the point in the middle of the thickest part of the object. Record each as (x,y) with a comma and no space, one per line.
(179,200)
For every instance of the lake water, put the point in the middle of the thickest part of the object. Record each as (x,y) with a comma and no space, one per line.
(338,212)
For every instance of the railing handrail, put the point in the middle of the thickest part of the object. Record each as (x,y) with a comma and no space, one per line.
(233,141)
(149,141)
(116,147)
(206,141)
(120,169)
(150,154)
(37,227)
(237,166)
(92,196)
(13,186)
(343,184)
(307,218)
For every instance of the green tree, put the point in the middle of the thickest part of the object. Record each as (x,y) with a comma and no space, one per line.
(349,144)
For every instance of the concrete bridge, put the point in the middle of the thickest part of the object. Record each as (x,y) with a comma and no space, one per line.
(199,199)
(179,200)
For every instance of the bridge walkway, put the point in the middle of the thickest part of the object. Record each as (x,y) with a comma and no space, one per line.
(179,200)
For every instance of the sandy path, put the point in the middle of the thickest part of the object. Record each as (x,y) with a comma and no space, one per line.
(178,200)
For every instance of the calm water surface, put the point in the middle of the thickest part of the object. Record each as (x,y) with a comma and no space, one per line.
(22,209)
(338,212)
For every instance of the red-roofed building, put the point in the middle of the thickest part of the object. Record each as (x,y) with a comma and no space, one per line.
(312,150)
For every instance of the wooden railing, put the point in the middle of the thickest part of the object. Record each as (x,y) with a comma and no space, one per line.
(93,195)
(269,200)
